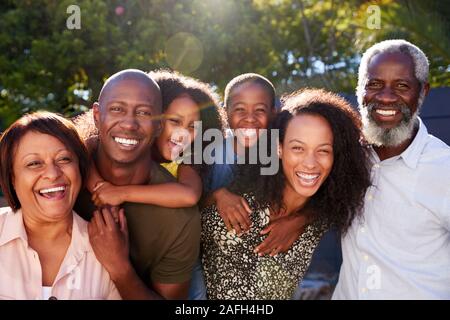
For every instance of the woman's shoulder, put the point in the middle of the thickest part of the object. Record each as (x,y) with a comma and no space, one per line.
(5,212)
(319,226)
(80,236)
(80,221)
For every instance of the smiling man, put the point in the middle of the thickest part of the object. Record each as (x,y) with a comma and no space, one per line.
(125,116)
(400,249)
(164,242)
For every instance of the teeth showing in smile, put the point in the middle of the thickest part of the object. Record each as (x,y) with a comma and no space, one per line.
(178,143)
(44,191)
(175,149)
(126,142)
(248,132)
(307,179)
(386,112)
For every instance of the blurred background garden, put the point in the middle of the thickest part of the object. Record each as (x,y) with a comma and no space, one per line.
(55,55)
(47,64)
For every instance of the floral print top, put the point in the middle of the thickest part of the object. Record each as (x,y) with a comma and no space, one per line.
(233,271)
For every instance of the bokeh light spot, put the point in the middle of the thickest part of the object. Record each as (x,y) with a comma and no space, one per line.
(184,52)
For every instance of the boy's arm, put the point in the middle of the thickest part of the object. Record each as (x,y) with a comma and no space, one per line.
(233,209)
(283,232)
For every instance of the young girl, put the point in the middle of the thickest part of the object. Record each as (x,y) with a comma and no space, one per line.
(184,101)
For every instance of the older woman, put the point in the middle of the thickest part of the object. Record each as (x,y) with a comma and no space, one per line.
(44,246)
(323,168)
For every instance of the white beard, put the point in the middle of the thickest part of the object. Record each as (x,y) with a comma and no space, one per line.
(393,137)
(390,137)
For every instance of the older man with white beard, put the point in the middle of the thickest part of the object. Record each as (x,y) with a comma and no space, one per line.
(400,247)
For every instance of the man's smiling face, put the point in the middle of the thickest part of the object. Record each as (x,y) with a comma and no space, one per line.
(391,98)
(126,117)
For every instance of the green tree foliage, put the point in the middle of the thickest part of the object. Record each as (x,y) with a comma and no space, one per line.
(44,65)
(424,23)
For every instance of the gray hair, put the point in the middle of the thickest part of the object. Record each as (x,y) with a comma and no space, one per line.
(420,60)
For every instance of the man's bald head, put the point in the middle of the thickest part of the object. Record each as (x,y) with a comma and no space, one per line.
(127,117)
(131,75)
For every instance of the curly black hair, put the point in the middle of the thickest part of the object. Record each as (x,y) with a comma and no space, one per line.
(341,197)
(174,85)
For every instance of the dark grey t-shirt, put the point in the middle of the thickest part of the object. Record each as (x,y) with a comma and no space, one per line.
(164,242)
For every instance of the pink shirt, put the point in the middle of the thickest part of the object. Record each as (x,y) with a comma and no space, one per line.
(80,276)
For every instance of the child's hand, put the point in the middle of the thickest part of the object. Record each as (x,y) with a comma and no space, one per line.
(282,233)
(234,211)
(105,193)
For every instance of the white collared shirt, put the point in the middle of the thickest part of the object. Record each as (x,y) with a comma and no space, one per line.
(400,249)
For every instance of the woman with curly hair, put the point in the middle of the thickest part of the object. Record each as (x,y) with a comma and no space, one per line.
(323,167)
